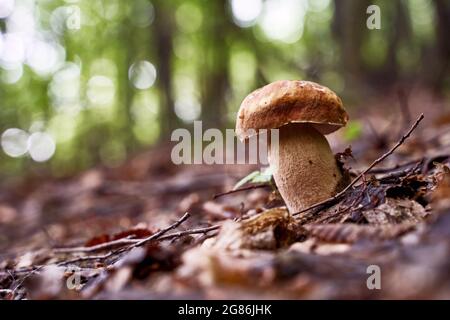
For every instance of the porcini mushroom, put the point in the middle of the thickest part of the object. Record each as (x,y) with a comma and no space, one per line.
(304,167)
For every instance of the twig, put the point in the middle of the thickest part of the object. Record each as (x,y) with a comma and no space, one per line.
(254,186)
(90,258)
(21,281)
(133,243)
(373,164)
(98,247)
(163,231)
(417,167)
(397,174)
(136,244)
(188,232)
(397,167)
(124,241)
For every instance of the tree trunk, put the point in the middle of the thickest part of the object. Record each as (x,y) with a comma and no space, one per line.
(164,27)
(215,82)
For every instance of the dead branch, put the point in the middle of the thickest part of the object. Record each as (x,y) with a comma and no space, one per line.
(397,167)
(90,258)
(138,243)
(101,246)
(255,186)
(124,241)
(189,232)
(162,231)
(133,243)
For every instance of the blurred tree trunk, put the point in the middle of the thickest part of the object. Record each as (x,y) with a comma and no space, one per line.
(349,24)
(125,88)
(398,32)
(164,32)
(441,64)
(397,35)
(215,80)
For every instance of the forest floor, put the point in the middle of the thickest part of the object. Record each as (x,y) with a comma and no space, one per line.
(149,229)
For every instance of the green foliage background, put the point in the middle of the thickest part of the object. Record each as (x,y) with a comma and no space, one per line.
(205,60)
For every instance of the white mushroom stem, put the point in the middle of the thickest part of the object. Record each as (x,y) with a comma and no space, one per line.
(304,168)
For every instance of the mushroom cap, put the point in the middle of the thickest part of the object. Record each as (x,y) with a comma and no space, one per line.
(290,101)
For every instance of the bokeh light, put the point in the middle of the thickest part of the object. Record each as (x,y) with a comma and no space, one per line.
(41,146)
(183,48)
(12,75)
(45,57)
(13,51)
(58,19)
(283,20)
(318,5)
(100,90)
(64,88)
(144,111)
(143,13)
(14,142)
(142,74)
(246,12)
(187,109)
(6,8)
(189,18)
(23,19)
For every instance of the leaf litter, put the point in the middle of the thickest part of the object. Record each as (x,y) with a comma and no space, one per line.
(119,234)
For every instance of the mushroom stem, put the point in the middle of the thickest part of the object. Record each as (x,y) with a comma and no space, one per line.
(304,167)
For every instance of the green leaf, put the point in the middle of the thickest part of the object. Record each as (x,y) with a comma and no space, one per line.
(246,179)
(255,177)
(353,130)
(263,177)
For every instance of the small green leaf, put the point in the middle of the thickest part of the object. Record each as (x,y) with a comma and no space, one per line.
(263,177)
(255,177)
(246,179)
(353,130)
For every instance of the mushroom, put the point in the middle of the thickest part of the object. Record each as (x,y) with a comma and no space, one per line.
(304,167)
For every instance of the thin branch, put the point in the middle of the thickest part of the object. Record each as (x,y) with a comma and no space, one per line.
(98,247)
(90,258)
(124,241)
(397,167)
(133,243)
(251,187)
(35,270)
(136,244)
(400,174)
(163,231)
(373,164)
(188,232)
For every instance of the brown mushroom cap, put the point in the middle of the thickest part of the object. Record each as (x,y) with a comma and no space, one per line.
(285,101)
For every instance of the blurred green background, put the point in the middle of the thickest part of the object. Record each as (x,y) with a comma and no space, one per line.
(87,82)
